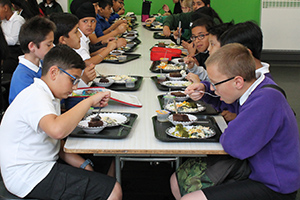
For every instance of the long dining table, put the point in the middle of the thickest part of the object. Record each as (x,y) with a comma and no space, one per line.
(141,142)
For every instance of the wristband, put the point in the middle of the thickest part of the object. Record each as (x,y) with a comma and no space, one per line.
(85,163)
(101,55)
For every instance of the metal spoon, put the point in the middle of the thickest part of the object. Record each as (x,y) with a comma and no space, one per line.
(98,115)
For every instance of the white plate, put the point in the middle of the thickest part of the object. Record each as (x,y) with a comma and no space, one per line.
(120,79)
(116,52)
(131,44)
(111,81)
(91,130)
(175,78)
(177,60)
(116,117)
(176,84)
(192,118)
(207,132)
(170,67)
(171,108)
(156,23)
(186,97)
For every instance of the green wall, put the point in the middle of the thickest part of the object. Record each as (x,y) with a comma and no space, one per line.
(238,10)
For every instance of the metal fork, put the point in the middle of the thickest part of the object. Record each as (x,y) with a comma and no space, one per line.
(98,115)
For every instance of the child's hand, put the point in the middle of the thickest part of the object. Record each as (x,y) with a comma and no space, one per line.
(166,8)
(122,28)
(100,99)
(193,78)
(176,33)
(190,61)
(89,73)
(191,47)
(121,42)
(112,45)
(150,20)
(121,11)
(167,31)
(228,116)
(194,91)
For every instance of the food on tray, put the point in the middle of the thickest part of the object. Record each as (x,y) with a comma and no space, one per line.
(181,117)
(165,66)
(193,131)
(95,122)
(175,74)
(178,94)
(185,107)
(110,57)
(158,27)
(177,83)
(122,78)
(161,44)
(181,131)
(110,121)
(103,80)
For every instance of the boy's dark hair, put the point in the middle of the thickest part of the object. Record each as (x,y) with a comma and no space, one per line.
(5,2)
(206,2)
(218,30)
(64,57)
(64,22)
(205,20)
(248,34)
(35,30)
(103,3)
(208,11)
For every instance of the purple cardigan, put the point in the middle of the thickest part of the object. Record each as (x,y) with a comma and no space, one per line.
(265,132)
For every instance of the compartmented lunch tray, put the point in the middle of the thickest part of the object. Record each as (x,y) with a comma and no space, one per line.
(204,120)
(208,111)
(165,88)
(122,87)
(117,132)
(130,57)
(157,35)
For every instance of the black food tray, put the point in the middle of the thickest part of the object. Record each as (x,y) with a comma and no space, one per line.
(137,41)
(130,57)
(122,87)
(117,132)
(156,35)
(154,69)
(208,111)
(160,130)
(151,28)
(165,88)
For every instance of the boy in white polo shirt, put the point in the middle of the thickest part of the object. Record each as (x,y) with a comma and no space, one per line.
(32,128)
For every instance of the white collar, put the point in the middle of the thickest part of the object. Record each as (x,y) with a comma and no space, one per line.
(260,77)
(83,37)
(29,64)
(15,14)
(49,5)
(44,86)
(264,69)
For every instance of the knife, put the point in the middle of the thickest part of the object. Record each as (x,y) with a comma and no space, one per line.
(179,33)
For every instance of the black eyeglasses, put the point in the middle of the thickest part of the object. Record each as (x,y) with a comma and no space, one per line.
(75,81)
(200,37)
(218,83)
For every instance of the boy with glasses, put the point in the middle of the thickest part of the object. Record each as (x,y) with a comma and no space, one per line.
(31,139)
(264,133)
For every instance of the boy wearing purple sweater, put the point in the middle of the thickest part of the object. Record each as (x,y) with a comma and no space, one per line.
(264,133)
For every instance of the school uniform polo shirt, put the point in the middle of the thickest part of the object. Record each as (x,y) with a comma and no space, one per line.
(23,76)
(11,29)
(27,153)
(84,50)
(101,25)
